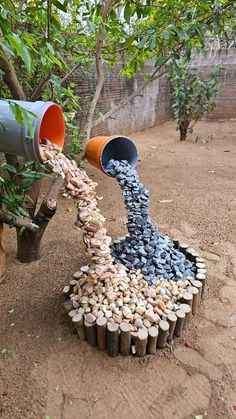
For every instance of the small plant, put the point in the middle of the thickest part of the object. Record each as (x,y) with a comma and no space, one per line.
(5,353)
(14,185)
(194,96)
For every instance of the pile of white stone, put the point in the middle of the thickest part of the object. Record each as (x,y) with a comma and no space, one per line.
(103,288)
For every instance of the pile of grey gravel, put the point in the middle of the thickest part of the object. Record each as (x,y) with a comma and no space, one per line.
(144,248)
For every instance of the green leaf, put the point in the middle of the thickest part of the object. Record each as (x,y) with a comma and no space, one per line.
(143,42)
(17,111)
(91,26)
(128,11)
(21,50)
(9,168)
(25,184)
(200,31)
(59,5)
(5,353)
(6,47)
(161,60)
(22,230)
(27,118)
(182,34)
(23,115)
(55,59)
(50,47)
(31,175)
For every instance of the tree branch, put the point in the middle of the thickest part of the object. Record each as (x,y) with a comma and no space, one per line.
(38,89)
(127,100)
(64,79)
(100,71)
(9,76)
(2,254)
(18,221)
(49,205)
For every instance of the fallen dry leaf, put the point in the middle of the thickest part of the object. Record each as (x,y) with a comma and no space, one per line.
(165,201)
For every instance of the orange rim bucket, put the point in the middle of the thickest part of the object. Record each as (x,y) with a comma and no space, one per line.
(101,149)
(52,125)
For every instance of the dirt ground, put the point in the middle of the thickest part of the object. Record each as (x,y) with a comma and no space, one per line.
(46,372)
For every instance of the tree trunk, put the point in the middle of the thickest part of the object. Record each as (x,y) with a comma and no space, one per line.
(9,75)
(2,255)
(28,246)
(183,135)
(29,242)
(100,71)
(183,129)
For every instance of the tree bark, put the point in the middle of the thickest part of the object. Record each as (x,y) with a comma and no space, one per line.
(9,75)
(127,100)
(18,222)
(38,89)
(29,243)
(2,255)
(183,129)
(183,135)
(100,71)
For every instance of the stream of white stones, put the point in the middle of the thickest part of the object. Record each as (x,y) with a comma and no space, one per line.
(138,280)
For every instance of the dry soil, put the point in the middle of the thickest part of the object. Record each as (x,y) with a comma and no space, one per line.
(48,373)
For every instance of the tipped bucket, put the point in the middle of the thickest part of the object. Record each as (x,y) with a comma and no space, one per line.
(15,138)
(100,150)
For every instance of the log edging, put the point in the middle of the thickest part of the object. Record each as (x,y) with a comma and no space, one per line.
(115,338)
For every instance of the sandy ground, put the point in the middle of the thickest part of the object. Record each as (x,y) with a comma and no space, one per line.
(48,373)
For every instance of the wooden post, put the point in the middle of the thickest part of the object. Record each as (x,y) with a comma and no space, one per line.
(187,310)
(180,323)
(72,285)
(187,298)
(163,334)
(125,338)
(78,321)
(200,265)
(152,340)
(176,243)
(189,253)
(91,333)
(201,271)
(68,306)
(141,342)
(2,255)
(194,256)
(195,293)
(202,279)
(113,339)
(101,332)
(172,319)
(183,247)
(66,291)
(197,284)
(200,260)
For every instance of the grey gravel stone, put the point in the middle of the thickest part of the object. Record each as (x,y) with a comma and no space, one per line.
(144,247)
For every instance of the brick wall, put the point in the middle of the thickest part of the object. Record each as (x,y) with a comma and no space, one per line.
(152,106)
(226,99)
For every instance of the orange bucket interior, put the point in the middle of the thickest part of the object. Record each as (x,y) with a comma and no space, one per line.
(52,125)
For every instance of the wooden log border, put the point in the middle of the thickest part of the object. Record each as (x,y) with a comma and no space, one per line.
(117,339)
